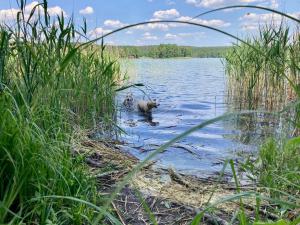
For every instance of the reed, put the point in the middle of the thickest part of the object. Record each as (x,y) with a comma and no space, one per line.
(266,80)
(46,88)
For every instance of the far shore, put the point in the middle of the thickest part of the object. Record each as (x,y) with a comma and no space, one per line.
(144,57)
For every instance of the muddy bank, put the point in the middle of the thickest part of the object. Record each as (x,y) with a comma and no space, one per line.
(171,198)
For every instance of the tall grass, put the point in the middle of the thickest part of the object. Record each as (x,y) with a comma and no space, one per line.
(36,162)
(267,80)
(277,167)
(46,88)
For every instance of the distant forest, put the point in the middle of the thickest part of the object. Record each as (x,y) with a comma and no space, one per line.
(170,51)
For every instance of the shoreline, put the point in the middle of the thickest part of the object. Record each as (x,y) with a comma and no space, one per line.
(183,196)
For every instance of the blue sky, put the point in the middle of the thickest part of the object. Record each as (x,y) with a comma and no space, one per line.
(106,15)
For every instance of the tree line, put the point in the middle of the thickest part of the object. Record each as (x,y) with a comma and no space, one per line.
(170,51)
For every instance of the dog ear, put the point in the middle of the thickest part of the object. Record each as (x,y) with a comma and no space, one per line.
(150,105)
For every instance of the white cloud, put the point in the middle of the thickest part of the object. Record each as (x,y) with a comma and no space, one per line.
(167,26)
(56,10)
(179,38)
(153,26)
(159,26)
(192,34)
(249,27)
(222,3)
(171,36)
(257,18)
(7,15)
(192,2)
(184,36)
(87,10)
(99,31)
(149,36)
(166,14)
(206,3)
(153,38)
(296,15)
(140,27)
(252,21)
(30,6)
(250,1)
(114,23)
(129,32)
(213,22)
(52,11)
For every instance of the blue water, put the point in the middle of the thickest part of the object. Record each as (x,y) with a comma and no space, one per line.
(190,91)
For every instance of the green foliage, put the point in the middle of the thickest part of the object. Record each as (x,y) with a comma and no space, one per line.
(47,86)
(278,166)
(276,172)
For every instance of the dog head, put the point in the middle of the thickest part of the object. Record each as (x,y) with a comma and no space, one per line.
(128,101)
(152,104)
(129,97)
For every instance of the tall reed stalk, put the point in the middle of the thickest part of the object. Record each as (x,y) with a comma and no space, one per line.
(46,88)
(267,80)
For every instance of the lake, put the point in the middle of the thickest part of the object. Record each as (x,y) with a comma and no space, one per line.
(190,91)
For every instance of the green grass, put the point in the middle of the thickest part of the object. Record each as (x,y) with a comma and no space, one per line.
(47,87)
(277,167)
(35,163)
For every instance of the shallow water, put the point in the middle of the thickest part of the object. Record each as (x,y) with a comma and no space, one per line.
(189,91)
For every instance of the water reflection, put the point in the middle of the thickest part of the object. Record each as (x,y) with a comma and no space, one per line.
(148,118)
(259,125)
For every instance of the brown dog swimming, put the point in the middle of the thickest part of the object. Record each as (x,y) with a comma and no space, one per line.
(147,106)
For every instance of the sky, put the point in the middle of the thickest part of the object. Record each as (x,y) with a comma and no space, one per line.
(103,16)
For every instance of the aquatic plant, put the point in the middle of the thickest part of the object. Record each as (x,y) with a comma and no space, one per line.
(46,89)
(264,80)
